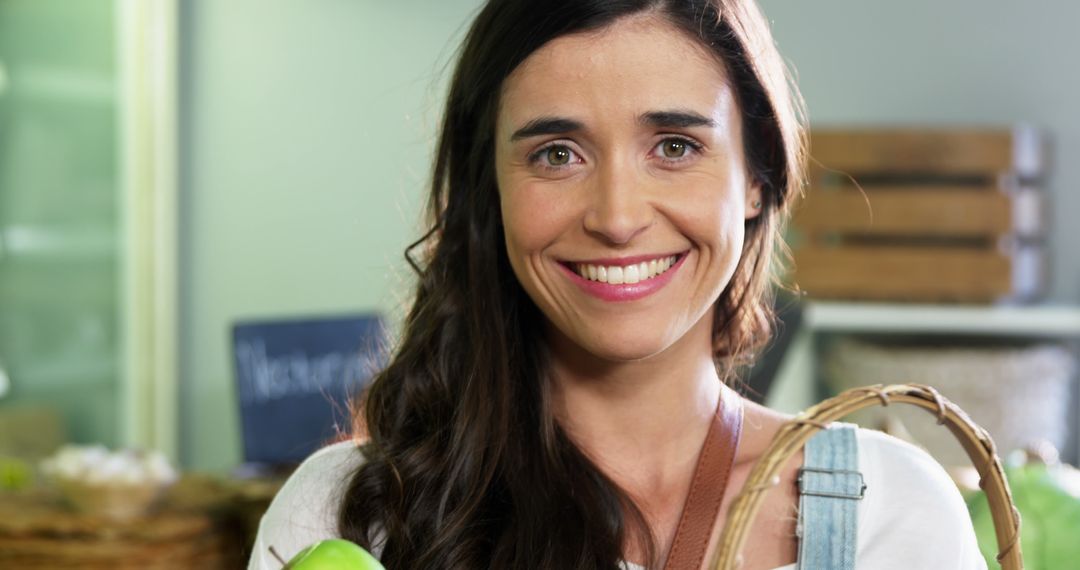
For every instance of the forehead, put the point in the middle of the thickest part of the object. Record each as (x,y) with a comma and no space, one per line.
(635,64)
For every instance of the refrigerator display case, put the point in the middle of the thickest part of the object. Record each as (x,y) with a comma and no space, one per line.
(87,217)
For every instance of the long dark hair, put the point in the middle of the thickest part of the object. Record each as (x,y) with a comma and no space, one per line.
(465,465)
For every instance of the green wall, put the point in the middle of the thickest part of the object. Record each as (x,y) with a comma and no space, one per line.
(307,129)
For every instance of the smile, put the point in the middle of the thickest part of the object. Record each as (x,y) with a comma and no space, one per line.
(627,279)
(629,274)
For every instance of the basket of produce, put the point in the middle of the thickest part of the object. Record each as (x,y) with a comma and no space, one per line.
(114,509)
(1047,494)
(35,533)
(121,485)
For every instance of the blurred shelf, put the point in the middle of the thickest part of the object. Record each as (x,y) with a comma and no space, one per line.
(44,243)
(66,374)
(1003,320)
(65,86)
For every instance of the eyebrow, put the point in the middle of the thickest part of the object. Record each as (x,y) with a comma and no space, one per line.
(676,119)
(546,126)
(562,125)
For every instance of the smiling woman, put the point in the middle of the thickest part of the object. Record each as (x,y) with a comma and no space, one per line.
(624,169)
(605,208)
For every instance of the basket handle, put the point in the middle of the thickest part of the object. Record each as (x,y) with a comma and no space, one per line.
(795,433)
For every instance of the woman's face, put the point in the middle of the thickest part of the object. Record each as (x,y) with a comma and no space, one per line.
(623,186)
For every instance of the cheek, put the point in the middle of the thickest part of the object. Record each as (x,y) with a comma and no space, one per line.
(533,218)
(713,213)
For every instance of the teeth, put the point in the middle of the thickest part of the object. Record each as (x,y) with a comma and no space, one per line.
(630,274)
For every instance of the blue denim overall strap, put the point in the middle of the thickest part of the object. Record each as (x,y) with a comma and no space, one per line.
(830,488)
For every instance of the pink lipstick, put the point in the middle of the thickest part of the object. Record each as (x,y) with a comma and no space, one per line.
(623,292)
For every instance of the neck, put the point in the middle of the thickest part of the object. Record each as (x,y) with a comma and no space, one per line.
(643,422)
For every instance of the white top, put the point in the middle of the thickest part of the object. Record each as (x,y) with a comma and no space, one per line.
(912,516)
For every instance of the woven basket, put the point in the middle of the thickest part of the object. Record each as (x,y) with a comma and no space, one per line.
(122,502)
(38,532)
(795,433)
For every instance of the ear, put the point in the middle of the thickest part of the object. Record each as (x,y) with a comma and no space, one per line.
(753,201)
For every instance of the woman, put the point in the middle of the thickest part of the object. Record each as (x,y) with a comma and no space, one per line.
(608,189)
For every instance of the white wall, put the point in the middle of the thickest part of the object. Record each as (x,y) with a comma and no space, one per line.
(307,129)
(932,62)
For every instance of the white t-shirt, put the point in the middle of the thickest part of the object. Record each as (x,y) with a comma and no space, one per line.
(911,518)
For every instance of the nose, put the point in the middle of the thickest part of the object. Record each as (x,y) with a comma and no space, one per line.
(619,208)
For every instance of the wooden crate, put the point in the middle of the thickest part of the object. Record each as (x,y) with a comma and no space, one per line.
(922,215)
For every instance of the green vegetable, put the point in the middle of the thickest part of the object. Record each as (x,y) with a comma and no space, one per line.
(333,554)
(14,474)
(1050,523)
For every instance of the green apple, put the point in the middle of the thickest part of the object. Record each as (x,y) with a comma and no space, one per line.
(333,554)
(14,474)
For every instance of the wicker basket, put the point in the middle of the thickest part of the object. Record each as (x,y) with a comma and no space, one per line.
(121,502)
(37,531)
(1019,394)
(795,433)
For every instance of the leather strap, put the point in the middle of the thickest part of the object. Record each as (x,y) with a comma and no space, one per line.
(708,486)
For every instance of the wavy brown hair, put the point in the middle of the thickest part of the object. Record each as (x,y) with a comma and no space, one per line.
(465,465)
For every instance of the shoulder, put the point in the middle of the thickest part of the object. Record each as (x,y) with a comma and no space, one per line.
(913,515)
(305,510)
(901,467)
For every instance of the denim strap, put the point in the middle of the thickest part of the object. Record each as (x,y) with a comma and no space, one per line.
(830,488)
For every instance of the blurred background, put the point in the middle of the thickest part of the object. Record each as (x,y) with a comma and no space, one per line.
(204,207)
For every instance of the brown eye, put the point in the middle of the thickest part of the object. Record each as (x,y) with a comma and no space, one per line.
(674,148)
(558,155)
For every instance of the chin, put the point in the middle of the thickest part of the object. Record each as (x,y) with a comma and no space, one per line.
(614,348)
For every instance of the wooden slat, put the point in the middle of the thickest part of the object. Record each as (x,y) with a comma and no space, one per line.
(902,273)
(925,211)
(940,151)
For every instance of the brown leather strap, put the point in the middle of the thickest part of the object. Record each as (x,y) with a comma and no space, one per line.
(707,488)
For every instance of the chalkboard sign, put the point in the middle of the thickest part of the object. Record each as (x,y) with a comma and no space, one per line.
(295,379)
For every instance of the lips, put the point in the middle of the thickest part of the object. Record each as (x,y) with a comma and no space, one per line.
(624,279)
